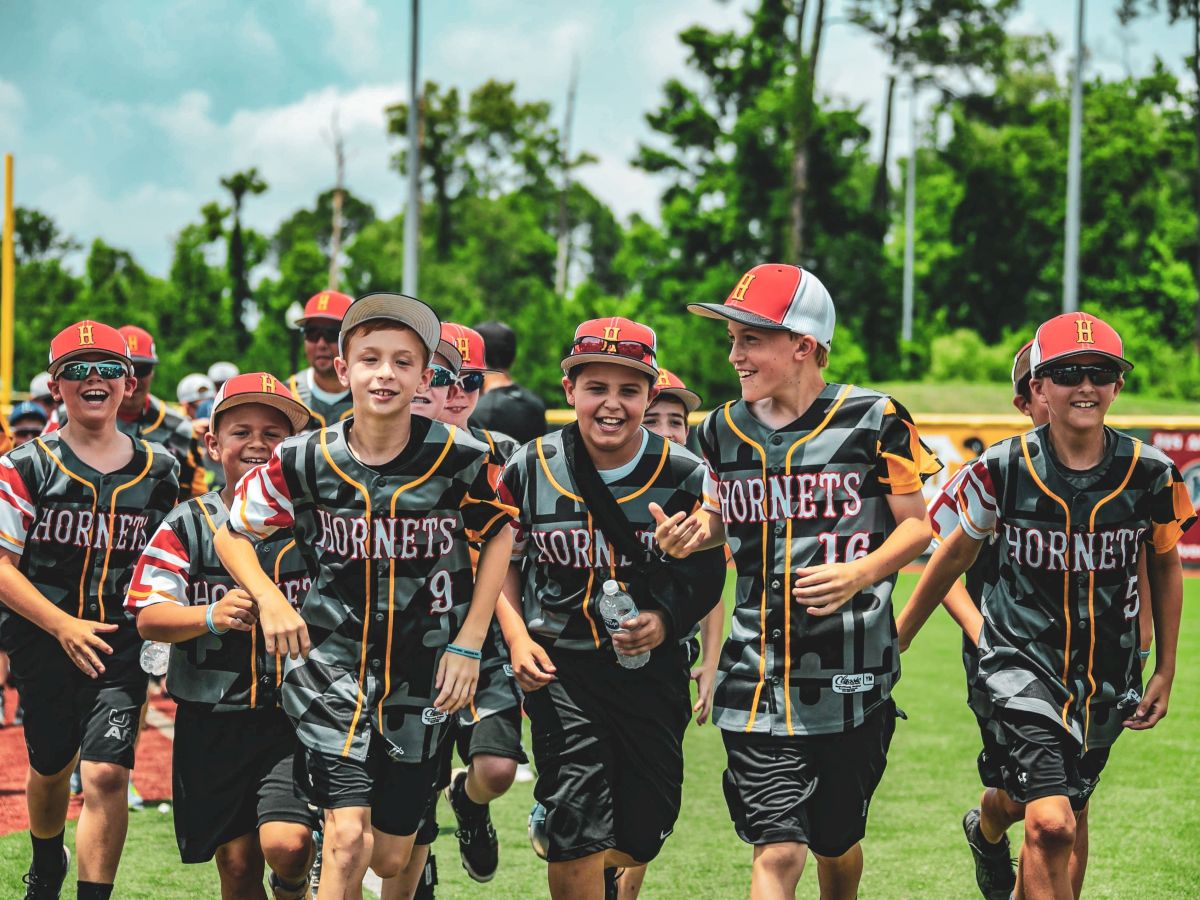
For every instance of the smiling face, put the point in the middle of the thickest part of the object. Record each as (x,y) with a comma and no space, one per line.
(667,417)
(610,401)
(320,344)
(459,404)
(768,361)
(1079,408)
(245,437)
(430,401)
(383,368)
(94,400)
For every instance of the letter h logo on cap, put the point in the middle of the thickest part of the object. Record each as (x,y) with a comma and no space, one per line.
(86,335)
(268,384)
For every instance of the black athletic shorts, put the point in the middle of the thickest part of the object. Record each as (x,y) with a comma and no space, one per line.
(396,792)
(608,743)
(811,789)
(66,712)
(1029,758)
(232,772)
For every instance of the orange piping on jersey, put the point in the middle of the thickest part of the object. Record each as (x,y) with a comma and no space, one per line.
(962,509)
(278,568)
(1087,716)
(87,551)
(550,477)
(112,518)
(762,608)
(362,662)
(387,650)
(162,414)
(487,436)
(787,569)
(587,592)
(662,461)
(12,540)
(1066,577)
(294,386)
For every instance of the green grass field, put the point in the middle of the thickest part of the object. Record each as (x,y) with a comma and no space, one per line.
(996,399)
(1145,816)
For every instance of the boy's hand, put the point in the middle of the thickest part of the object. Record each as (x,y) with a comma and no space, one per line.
(283,629)
(642,633)
(82,643)
(236,610)
(676,535)
(531,664)
(824,589)
(1153,707)
(457,676)
(706,680)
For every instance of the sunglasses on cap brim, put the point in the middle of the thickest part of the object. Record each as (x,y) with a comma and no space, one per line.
(1072,375)
(643,353)
(109,370)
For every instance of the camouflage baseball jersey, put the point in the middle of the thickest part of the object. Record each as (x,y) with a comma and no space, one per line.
(180,566)
(387,549)
(1060,633)
(78,531)
(565,557)
(323,413)
(812,493)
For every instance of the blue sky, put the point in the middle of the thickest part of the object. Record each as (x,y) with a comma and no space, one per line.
(123,115)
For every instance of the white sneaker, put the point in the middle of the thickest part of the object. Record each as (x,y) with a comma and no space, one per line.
(524,774)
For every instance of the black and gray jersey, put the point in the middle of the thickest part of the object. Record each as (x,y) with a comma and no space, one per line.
(322,412)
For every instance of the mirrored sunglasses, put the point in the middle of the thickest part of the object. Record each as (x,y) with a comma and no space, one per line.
(469,382)
(314,333)
(109,370)
(629,349)
(442,377)
(1072,376)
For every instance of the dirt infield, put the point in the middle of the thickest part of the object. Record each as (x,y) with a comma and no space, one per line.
(151,773)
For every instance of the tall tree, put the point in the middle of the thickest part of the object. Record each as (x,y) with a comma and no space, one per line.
(239,185)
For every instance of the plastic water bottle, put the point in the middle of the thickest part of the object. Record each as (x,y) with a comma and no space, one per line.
(617,607)
(155,656)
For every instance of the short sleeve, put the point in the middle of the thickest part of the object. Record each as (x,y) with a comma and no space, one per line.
(161,574)
(710,491)
(262,503)
(903,462)
(16,507)
(511,492)
(975,501)
(1171,510)
(943,509)
(484,514)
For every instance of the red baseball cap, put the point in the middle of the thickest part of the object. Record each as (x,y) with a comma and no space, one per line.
(1020,369)
(1074,334)
(614,340)
(141,344)
(261,387)
(779,297)
(83,338)
(325,305)
(469,345)
(671,385)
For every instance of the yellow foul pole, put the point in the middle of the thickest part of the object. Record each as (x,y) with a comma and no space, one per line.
(7,285)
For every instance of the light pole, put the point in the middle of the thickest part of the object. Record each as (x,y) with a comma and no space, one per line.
(1074,172)
(910,216)
(412,214)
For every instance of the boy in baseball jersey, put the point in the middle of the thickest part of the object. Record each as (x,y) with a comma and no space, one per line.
(607,740)
(383,506)
(76,509)
(220,675)
(1071,508)
(817,488)
(318,387)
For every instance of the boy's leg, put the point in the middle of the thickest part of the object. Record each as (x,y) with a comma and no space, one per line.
(47,797)
(776,871)
(349,843)
(839,875)
(629,885)
(1046,856)
(1077,867)
(577,879)
(100,835)
(240,868)
(403,886)
(287,847)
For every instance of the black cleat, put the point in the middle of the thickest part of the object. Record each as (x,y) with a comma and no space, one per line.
(478,847)
(610,882)
(46,885)
(993,866)
(428,880)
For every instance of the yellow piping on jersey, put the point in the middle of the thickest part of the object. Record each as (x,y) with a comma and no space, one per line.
(362,663)
(762,609)
(1066,577)
(787,568)
(12,540)
(290,545)
(387,650)
(162,414)
(112,518)
(294,386)
(550,477)
(87,551)
(1087,716)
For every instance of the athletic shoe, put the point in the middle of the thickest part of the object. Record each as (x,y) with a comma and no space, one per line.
(76,782)
(314,875)
(136,802)
(524,774)
(428,880)
(993,866)
(44,886)
(282,891)
(478,847)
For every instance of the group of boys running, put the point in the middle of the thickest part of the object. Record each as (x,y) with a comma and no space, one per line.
(376,582)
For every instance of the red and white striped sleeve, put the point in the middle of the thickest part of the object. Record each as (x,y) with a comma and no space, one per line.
(161,573)
(943,509)
(16,507)
(262,503)
(976,501)
(711,485)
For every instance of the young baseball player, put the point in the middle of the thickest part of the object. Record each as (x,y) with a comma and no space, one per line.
(233,744)
(817,488)
(1070,508)
(607,740)
(318,387)
(387,643)
(26,421)
(76,510)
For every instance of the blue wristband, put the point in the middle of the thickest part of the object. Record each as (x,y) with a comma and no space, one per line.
(212,629)
(1144,654)
(463,651)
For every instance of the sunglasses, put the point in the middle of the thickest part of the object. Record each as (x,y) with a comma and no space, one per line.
(27,432)
(469,382)
(143,370)
(442,377)
(1072,376)
(314,333)
(629,349)
(81,371)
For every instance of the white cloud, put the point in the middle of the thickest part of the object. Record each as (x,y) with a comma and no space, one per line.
(354,32)
(12,108)
(255,38)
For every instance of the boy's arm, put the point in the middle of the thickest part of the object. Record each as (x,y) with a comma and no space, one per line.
(173,624)
(712,630)
(825,588)
(283,629)
(683,534)
(80,638)
(531,663)
(1145,611)
(921,604)
(1166,598)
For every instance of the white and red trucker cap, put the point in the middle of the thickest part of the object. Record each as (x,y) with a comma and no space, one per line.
(780,297)
(1074,334)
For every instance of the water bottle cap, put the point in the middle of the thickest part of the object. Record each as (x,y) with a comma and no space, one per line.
(611,587)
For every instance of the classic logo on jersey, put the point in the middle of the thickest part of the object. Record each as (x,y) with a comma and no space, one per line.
(322,302)
(85,335)
(1095,551)
(1083,331)
(612,333)
(82,528)
(739,290)
(431,715)
(386,537)
(579,548)
(853,684)
(464,348)
(807,495)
